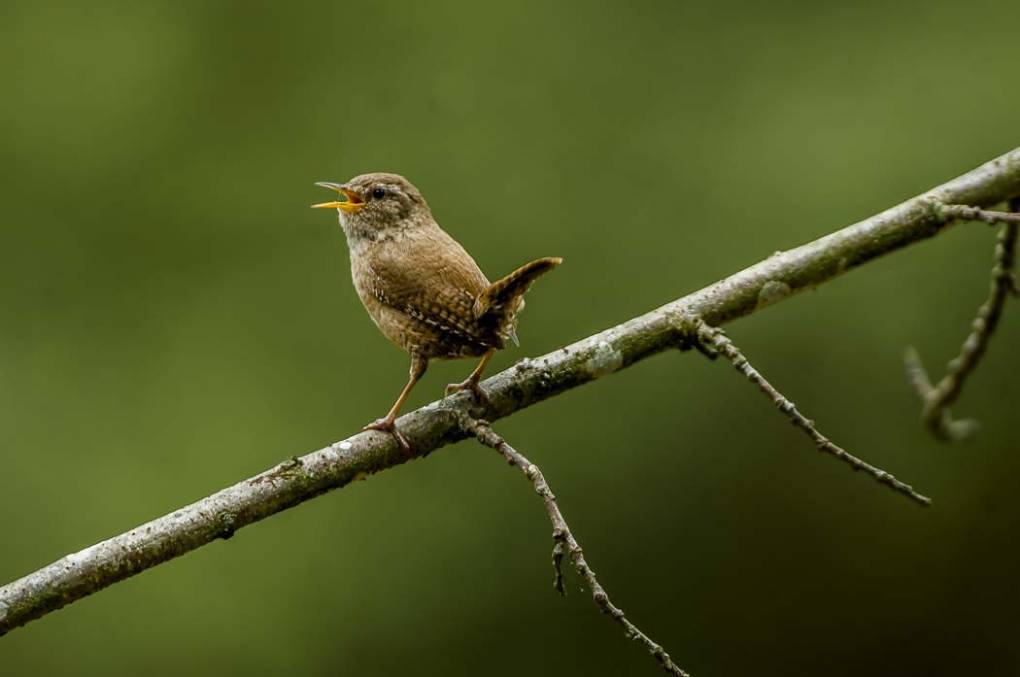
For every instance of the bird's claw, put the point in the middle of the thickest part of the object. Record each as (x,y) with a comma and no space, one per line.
(388,426)
(470,384)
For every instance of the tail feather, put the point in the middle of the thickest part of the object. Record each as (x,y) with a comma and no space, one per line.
(505,290)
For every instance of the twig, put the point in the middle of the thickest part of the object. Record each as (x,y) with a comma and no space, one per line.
(968,213)
(719,342)
(776,278)
(936,400)
(563,539)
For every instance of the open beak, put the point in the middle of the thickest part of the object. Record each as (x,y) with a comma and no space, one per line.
(352,203)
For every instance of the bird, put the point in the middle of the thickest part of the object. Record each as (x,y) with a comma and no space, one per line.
(420,286)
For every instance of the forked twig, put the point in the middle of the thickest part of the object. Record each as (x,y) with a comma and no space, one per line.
(565,543)
(937,399)
(716,340)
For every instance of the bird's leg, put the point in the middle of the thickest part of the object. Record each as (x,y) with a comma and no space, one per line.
(471,382)
(385,424)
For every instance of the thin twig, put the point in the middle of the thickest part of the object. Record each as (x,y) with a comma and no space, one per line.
(563,539)
(969,213)
(748,291)
(720,343)
(937,399)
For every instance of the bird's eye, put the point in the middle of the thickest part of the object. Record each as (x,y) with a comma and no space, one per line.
(378,193)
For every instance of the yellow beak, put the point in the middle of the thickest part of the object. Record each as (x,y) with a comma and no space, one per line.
(352,204)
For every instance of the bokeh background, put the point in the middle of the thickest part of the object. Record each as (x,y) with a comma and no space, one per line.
(174,318)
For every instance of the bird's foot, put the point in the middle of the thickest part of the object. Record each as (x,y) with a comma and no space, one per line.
(470,384)
(387,425)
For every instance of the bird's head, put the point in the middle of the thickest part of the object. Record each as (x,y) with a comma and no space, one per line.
(377,205)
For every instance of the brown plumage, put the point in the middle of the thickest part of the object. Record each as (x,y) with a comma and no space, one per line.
(424,292)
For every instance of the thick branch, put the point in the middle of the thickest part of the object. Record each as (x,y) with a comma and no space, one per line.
(563,538)
(524,384)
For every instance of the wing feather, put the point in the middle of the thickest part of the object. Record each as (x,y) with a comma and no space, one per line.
(438,288)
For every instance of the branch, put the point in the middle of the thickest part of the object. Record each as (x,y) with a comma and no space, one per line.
(528,382)
(936,400)
(968,213)
(564,538)
(719,342)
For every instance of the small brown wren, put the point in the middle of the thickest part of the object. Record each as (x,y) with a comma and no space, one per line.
(424,292)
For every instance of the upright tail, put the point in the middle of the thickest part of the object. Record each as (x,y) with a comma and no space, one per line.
(502,294)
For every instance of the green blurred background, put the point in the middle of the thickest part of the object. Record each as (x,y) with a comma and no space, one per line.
(174,318)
